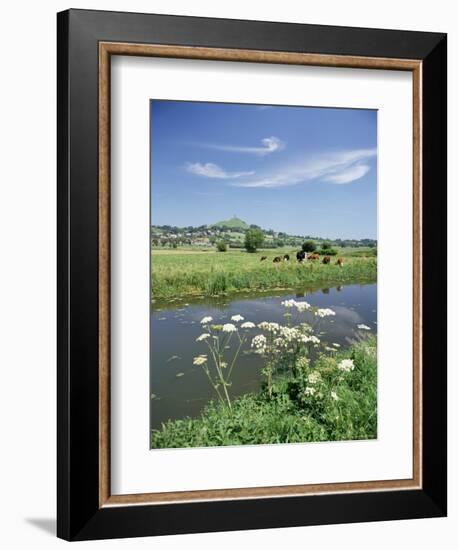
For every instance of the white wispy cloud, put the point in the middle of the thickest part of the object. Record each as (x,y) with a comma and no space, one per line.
(337,168)
(349,174)
(210,170)
(269,145)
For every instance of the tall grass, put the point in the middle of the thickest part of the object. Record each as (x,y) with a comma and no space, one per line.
(210,274)
(287,416)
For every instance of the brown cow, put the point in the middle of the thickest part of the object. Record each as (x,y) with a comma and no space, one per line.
(339,262)
(286,258)
(263,258)
(313,256)
(327,259)
(277,259)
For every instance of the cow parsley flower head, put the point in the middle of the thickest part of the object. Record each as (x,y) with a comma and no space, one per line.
(334,396)
(302,306)
(202,337)
(289,303)
(363,327)
(237,318)
(346,365)
(200,360)
(229,327)
(324,312)
(303,362)
(206,320)
(314,377)
(259,343)
(270,327)
(309,390)
(247,324)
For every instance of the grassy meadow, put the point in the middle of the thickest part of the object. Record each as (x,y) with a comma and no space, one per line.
(187,271)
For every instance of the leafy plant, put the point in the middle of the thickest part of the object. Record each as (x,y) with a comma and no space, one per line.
(333,399)
(309,246)
(328,252)
(219,367)
(253,239)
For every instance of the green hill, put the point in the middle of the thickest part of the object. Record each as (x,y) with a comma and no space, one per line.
(233,223)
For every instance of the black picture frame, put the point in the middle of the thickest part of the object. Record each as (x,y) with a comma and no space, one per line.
(79,515)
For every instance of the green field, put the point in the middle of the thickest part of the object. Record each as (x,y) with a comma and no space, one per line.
(188,272)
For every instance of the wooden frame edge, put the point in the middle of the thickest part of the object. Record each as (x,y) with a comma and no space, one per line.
(104,276)
(106,49)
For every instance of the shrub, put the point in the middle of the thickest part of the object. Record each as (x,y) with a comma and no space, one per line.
(328,252)
(309,246)
(253,239)
(221,246)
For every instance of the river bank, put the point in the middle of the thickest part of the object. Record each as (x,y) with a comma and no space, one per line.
(211,274)
(338,403)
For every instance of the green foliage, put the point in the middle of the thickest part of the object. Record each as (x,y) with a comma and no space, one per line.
(328,252)
(180,274)
(343,406)
(221,246)
(309,246)
(325,246)
(253,239)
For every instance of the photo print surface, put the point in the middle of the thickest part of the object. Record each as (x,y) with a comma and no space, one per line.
(263,246)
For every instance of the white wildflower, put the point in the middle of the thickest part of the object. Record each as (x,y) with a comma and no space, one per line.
(346,365)
(334,396)
(336,345)
(309,390)
(259,342)
(290,333)
(302,306)
(247,324)
(324,312)
(237,318)
(202,337)
(314,339)
(206,320)
(200,360)
(363,327)
(314,377)
(270,327)
(289,303)
(303,362)
(229,327)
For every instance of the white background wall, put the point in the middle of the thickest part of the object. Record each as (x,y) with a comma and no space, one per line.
(27,273)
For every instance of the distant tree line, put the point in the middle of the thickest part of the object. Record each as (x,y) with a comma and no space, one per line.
(236,237)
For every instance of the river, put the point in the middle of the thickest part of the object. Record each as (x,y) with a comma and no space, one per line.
(180,389)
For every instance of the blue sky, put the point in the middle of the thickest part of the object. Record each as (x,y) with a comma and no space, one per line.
(301,170)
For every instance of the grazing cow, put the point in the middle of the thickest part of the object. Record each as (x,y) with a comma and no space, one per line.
(277,259)
(313,256)
(286,258)
(300,256)
(263,258)
(339,262)
(327,259)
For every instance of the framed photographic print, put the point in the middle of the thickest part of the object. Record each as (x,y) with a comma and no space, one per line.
(251,333)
